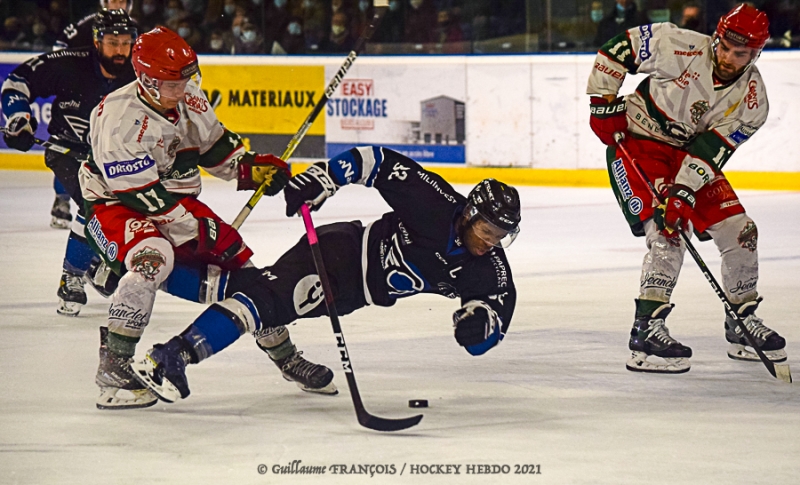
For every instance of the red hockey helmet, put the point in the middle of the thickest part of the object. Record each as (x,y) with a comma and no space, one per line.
(744,25)
(164,63)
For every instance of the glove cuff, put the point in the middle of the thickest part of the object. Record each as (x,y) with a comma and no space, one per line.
(683,193)
(602,108)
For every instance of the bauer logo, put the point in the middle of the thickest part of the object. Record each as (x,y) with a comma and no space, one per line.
(128,167)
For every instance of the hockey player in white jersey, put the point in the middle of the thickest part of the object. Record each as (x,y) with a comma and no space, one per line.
(141,183)
(702,98)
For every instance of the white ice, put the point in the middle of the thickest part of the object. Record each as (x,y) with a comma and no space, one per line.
(555,393)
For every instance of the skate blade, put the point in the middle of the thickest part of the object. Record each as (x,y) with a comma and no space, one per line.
(329,390)
(143,371)
(639,363)
(57,223)
(742,352)
(68,308)
(116,398)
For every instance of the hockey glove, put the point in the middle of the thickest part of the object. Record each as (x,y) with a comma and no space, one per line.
(676,211)
(220,244)
(19,131)
(255,169)
(311,187)
(477,327)
(607,118)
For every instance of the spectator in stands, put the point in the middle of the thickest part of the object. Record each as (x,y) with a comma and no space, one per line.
(13,36)
(448,29)
(250,41)
(195,10)
(420,22)
(692,18)
(277,20)
(361,17)
(190,33)
(340,39)
(314,23)
(392,24)
(174,13)
(42,39)
(291,40)
(152,14)
(624,16)
(216,43)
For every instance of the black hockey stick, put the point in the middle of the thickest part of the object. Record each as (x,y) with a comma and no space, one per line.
(380,8)
(52,146)
(364,417)
(779,371)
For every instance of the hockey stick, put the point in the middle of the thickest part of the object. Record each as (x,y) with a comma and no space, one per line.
(380,8)
(779,371)
(364,417)
(52,146)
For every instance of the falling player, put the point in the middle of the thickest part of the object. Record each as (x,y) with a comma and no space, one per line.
(434,241)
(79,78)
(141,183)
(703,97)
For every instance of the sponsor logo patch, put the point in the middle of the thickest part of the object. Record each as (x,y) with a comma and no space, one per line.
(645,34)
(128,167)
(621,176)
(308,294)
(742,134)
(635,205)
(752,95)
(195,103)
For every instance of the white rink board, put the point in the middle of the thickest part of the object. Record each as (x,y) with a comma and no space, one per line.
(529,110)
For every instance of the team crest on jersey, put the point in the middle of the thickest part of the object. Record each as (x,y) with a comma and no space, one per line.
(752,95)
(748,238)
(698,109)
(148,262)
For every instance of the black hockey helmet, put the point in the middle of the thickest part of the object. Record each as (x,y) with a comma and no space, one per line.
(498,205)
(129,4)
(116,22)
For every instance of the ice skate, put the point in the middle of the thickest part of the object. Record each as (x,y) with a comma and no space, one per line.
(652,347)
(118,387)
(768,340)
(163,370)
(71,295)
(307,375)
(60,215)
(100,277)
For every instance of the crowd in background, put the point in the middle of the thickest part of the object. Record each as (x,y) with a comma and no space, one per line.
(332,26)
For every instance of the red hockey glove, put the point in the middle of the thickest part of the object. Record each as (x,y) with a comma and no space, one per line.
(255,169)
(676,211)
(219,243)
(607,118)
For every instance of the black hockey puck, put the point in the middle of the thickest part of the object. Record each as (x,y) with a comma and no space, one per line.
(418,403)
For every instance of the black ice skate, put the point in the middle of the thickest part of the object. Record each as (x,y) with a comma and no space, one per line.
(768,340)
(650,338)
(60,215)
(163,370)
(307,375)
(118,387)
(71,296)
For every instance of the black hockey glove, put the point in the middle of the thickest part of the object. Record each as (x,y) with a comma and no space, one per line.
(19,132)
(311,187)
(477,327)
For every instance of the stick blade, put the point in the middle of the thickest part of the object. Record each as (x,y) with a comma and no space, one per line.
(783,373)
(382,424)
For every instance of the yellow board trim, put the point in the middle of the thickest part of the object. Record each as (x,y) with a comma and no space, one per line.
(513,176)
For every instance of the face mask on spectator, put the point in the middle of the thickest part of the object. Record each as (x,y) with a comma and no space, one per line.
(184,31)
(230,8)
(620,9)
(337,29)
(216,44)
(248,36)
(280,3)
(394,5)
(363,5)
(148,9)
(237,30)
(415,4)
(295,29)
(597,15)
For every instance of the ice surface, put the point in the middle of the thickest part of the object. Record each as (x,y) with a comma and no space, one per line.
(554,393)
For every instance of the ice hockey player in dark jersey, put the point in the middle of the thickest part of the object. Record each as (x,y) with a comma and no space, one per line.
(434,241)
(79,34)
(78,78)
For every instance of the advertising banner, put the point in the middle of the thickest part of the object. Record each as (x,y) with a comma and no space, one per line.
(267,104)
(419,111)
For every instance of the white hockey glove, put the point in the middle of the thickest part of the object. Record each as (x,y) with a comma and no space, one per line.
(477,327)
(311,187)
